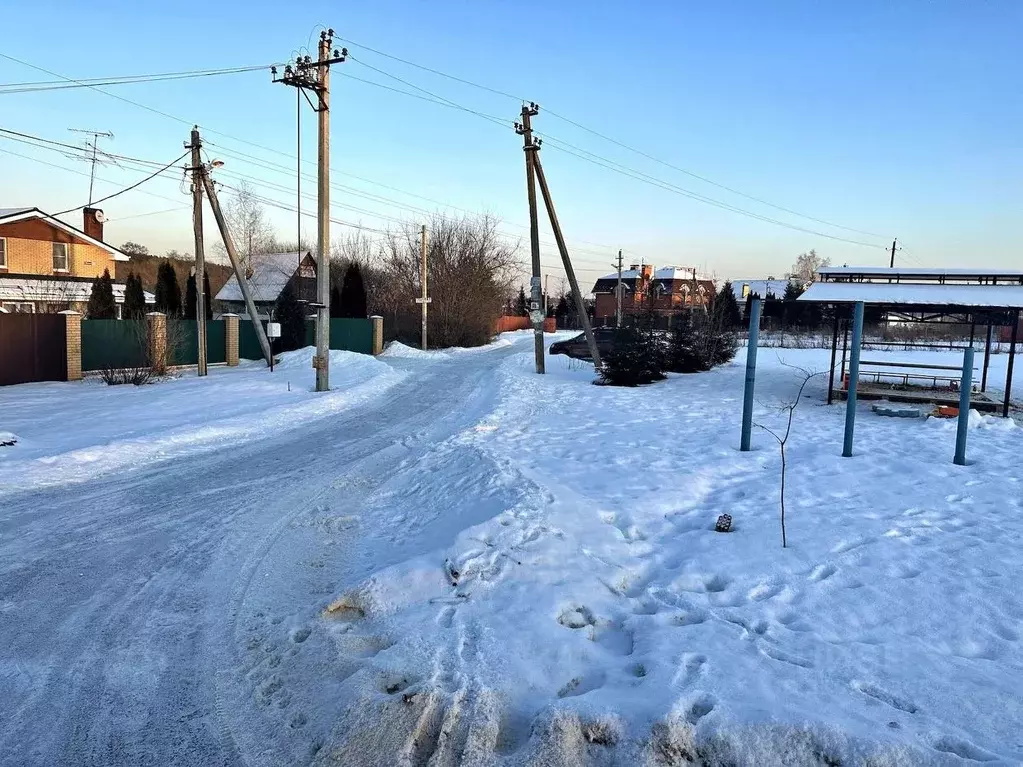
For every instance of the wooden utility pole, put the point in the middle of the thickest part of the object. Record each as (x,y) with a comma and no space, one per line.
(425,300)
(200,256)
(577,295)
(618,293)
(308,75)
(891,264)
(239,271)
(525,130)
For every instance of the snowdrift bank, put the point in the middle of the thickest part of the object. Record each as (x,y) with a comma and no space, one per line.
(599,619)
(74,431)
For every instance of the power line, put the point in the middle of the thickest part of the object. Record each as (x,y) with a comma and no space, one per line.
(604,137)
(137,184)
(49,85)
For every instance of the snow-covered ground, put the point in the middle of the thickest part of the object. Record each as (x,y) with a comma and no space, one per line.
(598,618)
(69,432)
(453,561)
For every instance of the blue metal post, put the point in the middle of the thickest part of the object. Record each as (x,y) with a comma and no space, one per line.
(854,375)
(751,374)
(965,384)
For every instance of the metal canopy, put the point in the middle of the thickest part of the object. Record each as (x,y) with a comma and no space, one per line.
(917,294)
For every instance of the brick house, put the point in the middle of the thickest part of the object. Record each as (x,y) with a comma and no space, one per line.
(47,265)
(668,289)
(266,276)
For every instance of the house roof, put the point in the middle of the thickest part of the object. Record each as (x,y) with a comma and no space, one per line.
(55,289)
(919,273)
(11,215)
(270,273)
(607,283)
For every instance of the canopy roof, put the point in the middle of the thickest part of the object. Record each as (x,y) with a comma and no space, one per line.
(918,287)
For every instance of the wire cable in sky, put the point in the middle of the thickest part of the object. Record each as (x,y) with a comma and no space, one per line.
(137,184)
(48,85)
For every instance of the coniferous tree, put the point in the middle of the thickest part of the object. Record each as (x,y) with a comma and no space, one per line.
(561,312)
(134,298)
(290,314)
(792,309)
(728,307)
(207,293)
(521,304)
(353,293)
(335,302)
(191,298)
(168,292)
(101,299)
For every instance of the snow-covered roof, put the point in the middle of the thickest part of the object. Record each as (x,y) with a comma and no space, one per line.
(270,273)
(916,294)
(4,212)
(627,274)
(760,287)
(56,290)
(10,215)
(917,272)
(673,273)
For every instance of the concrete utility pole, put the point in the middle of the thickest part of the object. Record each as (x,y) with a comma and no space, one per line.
(891,264)
(308,75)
(425,300)
(200,255)
(239,271)
(525,130)
(584,318)
(618,293)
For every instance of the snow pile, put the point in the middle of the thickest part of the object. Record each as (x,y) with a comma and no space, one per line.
(399,350)
(74,431)
(8,438)
(581,609)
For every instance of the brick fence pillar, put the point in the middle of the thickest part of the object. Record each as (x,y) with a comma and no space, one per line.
(231,339)
(73,346)
(157,342)
(378,333)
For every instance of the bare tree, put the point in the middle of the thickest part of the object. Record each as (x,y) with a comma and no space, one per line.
(470,270)
(246,219)
(789,410)
(806,267)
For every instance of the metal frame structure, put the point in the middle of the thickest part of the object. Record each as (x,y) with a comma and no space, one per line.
(938,299)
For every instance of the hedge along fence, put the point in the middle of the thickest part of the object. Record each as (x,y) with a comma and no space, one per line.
(183,342)
(353,335)
(114,343)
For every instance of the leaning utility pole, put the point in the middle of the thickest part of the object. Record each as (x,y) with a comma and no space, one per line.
(425,300)
(200,255)
(618,293)
(239,272)
(891,264)
(577,295)
(525,130)
(308,75)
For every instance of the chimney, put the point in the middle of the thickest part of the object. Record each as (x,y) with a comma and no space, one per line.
(92,223)
(634,267)
(648,271)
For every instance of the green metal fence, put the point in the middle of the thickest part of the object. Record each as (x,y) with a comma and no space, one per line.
(183,342)
(113,343)
(354,335)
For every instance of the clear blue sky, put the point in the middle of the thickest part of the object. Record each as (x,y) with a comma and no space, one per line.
(901,119)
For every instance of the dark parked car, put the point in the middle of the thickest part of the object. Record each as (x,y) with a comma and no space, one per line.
(578,348)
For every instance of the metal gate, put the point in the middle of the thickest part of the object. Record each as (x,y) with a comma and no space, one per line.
(33,347)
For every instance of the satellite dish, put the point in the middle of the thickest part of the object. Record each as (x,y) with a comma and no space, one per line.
(100,216)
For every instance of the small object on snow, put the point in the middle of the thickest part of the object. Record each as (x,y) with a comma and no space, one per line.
(451,572)
(8,439)
(895,411)
(946,411)
(724,524)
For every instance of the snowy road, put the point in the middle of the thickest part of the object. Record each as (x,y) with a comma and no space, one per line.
(156,616)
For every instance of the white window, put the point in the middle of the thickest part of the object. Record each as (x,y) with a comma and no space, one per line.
(19,307)
(3,253)
(60,256)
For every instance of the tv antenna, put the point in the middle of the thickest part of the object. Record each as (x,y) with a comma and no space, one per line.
(97,156)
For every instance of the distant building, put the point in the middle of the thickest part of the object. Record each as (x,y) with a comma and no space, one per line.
(47,265)
(266,277)
(665,290)
(764,288)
